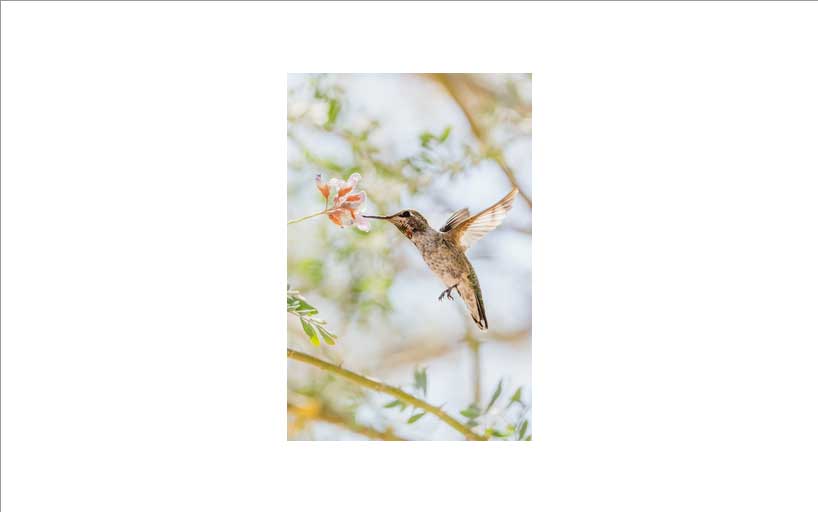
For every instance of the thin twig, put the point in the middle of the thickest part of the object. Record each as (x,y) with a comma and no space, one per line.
(332,418)
(474,346)
(316,214)
(480,134)
(389,390)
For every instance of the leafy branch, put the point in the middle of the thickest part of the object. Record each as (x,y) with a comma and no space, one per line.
(514,430)
(480,133)
(421,386)
(312,325)
(387,389)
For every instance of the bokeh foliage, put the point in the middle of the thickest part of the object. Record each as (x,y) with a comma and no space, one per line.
(350,275)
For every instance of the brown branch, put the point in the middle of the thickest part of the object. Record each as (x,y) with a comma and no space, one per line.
(389,390)
(479,133)
(326,416)
(427,352)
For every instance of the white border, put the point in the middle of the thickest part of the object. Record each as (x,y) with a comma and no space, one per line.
(142,220)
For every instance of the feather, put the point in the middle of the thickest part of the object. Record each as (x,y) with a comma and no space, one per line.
(457,217)
(469,231)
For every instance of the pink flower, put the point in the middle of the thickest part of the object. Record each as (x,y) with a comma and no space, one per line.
(348,204)
(345,187)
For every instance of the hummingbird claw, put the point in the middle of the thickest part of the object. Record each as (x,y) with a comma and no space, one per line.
(447,293)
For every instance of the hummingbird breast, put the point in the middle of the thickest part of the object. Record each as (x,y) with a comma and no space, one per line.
(447,261)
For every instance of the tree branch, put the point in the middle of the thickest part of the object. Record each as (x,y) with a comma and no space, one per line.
(422,353)
(385,388)
(480,134)
(332,418)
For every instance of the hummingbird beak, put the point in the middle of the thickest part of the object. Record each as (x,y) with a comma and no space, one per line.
(378,217)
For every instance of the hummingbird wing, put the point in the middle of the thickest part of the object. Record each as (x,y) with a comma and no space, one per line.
(456,218)
(474,228)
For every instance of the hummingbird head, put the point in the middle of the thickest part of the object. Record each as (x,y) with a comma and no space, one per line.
(408,222)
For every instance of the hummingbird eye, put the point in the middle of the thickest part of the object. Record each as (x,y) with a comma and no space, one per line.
(406,214)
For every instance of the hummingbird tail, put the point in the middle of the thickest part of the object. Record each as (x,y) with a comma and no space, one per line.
(481,319)
(473,298)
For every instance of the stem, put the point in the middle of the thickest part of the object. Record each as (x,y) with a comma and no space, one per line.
(338,420)
(389,390)
(307,217)
(474,345)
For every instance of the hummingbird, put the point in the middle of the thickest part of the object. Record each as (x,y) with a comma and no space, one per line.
(444,250)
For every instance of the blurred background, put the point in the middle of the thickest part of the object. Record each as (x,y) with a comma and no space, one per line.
(434,143)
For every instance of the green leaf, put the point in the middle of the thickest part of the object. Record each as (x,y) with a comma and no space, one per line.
(496,394)
(310,332)
(292,304)
(327,336)
(528,438)
(523,429)
(415,417)
(332,112)
(425,139)
(420,380)
(303,307)
(495,433)
(445,134)
(516,397)
(424,381)
(471,412)
(392,404)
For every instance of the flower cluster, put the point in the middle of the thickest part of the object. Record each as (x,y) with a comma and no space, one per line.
(348,204)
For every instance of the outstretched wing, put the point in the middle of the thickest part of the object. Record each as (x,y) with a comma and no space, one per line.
(456,218)
(474,228)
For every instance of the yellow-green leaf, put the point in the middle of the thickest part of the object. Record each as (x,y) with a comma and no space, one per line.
(471,412)
(310,332)
(496,395)
(523,429)
(416,417)
(516,397)
(445,134)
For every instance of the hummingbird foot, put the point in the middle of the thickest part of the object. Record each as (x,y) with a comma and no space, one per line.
(447,293)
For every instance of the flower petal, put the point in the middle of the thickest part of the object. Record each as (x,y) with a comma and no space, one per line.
(362,223)
(354,200)
(347,218)
(350,183)
(353,179)
(336,218)
(322,187)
